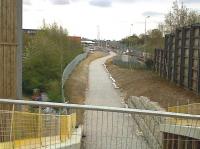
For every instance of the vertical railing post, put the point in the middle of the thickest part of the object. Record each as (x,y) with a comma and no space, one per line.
(60,136)
(39,125)
(11,127)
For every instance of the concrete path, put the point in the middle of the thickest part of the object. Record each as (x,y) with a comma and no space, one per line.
(108,130)
(101,91)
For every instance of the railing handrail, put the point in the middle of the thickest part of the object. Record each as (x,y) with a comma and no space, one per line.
(100,108)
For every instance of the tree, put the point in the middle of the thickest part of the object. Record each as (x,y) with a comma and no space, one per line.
(179,16)
(131,41)
(155,40)
(47,53)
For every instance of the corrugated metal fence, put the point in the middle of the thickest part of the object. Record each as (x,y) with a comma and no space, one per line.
(179,61)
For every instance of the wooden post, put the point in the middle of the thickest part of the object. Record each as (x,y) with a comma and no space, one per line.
(175,57)
(160,62)
(182,57)
(166,49)
(198,65)
(170,58)
(9,43)
(190,58)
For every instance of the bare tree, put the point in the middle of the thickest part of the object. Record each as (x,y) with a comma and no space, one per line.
(179,16)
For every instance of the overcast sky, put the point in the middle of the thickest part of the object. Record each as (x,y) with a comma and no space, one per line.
(114,17)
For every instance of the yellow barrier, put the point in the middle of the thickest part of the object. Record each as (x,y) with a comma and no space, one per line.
(34,129)
(65,130)
(189,109)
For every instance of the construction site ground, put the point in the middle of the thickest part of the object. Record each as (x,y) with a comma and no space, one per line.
(147,83)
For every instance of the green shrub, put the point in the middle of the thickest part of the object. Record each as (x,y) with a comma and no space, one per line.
(46,54)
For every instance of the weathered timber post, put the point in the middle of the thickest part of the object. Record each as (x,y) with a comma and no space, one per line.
(10,49)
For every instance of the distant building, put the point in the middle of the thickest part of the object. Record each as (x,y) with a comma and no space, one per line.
(87,43)
(76,39)
(30,31)
(34,31)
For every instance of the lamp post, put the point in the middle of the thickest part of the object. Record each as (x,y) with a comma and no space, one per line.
(146,23)
(131,29)
(145,35)
(131,33)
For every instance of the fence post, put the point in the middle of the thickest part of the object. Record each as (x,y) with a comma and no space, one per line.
(169,57)
(198,66)
(183,31)
(190,59)
(160,61)
(166,48)
(175,57)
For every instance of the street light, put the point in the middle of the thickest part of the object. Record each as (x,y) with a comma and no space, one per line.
(131,29)
(146,24)
(145,34)
(129,43)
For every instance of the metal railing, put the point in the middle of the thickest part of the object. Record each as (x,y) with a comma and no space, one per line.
(102,127)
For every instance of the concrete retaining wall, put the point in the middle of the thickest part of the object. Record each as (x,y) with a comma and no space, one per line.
(148,125)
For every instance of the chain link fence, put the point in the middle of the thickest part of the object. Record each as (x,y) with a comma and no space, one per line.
(128,61)
(70,67)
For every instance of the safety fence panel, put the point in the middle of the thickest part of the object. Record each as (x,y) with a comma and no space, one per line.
(103,127)
(35,129)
